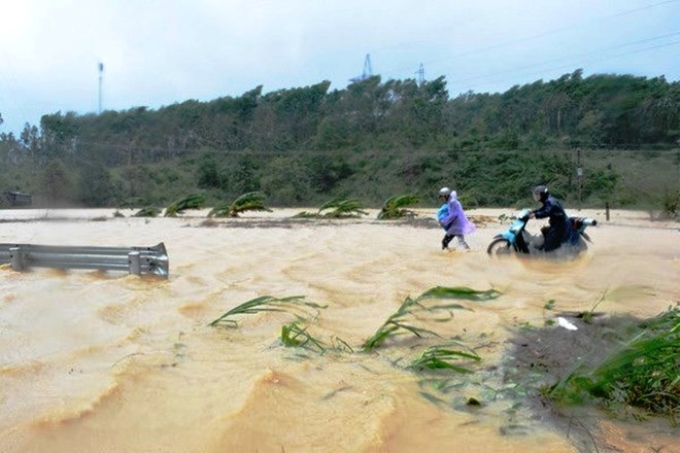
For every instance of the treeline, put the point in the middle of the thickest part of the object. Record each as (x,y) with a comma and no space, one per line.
(369,141)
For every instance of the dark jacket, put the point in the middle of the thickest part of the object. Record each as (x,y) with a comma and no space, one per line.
(560,230)
(553,209)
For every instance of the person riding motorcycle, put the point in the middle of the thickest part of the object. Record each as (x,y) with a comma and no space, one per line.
(560,229)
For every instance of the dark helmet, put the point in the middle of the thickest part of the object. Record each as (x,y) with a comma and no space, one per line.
(542,192)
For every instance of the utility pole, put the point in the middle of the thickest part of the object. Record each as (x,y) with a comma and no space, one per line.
(368,71)
(421,74)
(101,71)
(579,176)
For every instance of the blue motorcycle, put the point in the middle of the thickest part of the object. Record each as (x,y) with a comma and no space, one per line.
(516,239)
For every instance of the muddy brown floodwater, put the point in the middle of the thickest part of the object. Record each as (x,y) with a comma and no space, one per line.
(108,362)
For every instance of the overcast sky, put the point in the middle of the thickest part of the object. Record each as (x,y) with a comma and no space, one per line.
(160,52)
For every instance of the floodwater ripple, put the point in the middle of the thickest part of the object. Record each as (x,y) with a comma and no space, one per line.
(93,361)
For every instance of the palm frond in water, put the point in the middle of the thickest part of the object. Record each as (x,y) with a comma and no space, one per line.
(148,212)
(395,207)
(189,202)
(251,201)
(342,208)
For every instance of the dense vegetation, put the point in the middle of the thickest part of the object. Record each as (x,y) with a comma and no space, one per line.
(369,141)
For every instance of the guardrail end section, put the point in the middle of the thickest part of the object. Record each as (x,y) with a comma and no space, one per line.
(160,265)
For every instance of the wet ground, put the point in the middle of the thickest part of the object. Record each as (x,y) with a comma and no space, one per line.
(539,358)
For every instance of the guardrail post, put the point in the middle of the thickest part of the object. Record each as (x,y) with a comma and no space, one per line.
(135,264)
(16,258)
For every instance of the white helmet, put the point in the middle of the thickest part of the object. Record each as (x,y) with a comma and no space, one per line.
(444,192)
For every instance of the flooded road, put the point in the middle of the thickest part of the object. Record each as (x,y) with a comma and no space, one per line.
(109,362)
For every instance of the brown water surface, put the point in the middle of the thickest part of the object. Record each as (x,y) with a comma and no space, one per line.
(106,362)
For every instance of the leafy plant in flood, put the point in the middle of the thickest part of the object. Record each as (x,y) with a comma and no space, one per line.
(445,356)
(589,315)
(549,306)
(402,319)
(341,345)
(189,202)
(395,207)
(295,305)
(251,201)
(293,335)
(341,208)
(148,212)
(337,208)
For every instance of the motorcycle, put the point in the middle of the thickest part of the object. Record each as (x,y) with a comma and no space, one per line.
(516,239)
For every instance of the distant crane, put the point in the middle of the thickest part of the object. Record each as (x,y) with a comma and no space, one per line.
(368,71)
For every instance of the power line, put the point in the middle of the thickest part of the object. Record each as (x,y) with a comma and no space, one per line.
(599,55)
(536,36)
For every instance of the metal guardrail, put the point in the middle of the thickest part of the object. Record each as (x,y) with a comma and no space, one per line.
(135,260)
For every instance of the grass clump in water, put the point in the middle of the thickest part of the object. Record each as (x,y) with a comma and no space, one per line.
(295,335)
(445,357)
(295,305)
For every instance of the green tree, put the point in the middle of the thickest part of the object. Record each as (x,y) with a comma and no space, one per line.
(208,174)
(243,176)
(326,171)
(287,181)
(56,184)
(95,187)
(59,137)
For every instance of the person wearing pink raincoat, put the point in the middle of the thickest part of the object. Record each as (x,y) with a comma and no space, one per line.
(453,220)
